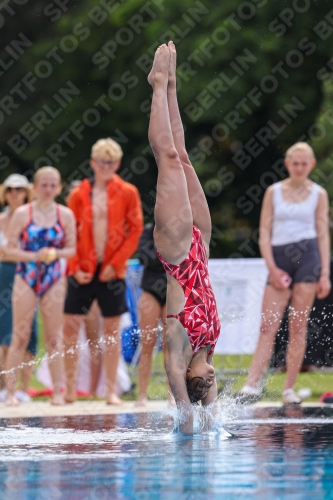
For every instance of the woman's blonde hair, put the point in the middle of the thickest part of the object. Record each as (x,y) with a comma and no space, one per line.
(300,146)
(46,170)
(107,148)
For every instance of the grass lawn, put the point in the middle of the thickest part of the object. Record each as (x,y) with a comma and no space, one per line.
(318,382)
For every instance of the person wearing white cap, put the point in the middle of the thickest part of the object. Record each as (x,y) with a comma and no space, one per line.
(14,192)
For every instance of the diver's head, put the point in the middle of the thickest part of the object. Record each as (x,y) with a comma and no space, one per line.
(199,379)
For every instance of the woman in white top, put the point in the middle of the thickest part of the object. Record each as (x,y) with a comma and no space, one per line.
(294,241)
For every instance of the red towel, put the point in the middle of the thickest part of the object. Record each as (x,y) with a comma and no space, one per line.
(37,393)
(324,396)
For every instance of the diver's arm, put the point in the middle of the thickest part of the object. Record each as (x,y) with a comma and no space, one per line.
(175,368)
(210,400)
(212,393)
(177,383)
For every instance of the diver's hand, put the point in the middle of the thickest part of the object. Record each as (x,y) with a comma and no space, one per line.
(187,426)
(186,418)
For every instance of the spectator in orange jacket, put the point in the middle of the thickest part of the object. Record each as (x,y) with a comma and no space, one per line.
(109,224)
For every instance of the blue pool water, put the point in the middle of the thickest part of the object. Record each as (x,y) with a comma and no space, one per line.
(273,454)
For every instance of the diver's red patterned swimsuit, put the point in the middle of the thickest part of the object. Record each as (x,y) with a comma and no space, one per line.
(199,316)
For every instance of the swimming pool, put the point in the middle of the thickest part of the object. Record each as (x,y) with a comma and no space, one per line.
(277,453)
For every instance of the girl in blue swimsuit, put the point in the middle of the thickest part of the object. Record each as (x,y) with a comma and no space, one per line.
(40,276)
(39,234)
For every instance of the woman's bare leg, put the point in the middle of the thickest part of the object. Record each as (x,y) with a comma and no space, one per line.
(303,295)
(111,327)
(3,357)
(71,327)
(274,304)
(51,307)
(173,215)
(91,322)
(26,371)
(199,206)
(150,313)
(23,306)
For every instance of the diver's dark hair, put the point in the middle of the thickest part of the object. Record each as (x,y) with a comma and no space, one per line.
(194,392)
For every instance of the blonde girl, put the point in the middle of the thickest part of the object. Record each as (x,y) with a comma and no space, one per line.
(294,241)
(40,233)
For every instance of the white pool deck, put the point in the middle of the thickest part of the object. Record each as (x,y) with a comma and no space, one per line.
(45,409)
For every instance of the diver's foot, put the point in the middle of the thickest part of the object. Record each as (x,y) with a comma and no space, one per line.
(172,65)
(113,399)
(58,400)
(247,395)
(160,69)
(12,400)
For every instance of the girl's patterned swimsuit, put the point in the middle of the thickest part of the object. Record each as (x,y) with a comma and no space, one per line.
(199,316)
(39,275)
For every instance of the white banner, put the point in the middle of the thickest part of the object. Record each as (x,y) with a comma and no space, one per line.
(238,285)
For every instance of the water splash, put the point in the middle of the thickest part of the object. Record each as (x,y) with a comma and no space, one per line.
(207,420)
(98,344)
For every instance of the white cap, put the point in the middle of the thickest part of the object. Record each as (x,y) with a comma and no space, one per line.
(17,181)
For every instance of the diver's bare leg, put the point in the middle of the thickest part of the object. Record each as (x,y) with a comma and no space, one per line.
(199,206)
(173,215)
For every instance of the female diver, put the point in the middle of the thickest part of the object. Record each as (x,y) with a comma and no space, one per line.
(182,235)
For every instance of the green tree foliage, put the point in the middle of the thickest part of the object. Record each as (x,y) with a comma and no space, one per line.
(248,88)
(321,139)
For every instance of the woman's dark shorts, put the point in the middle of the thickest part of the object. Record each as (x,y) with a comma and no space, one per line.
(160,297)
(110,295)
(300,260)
